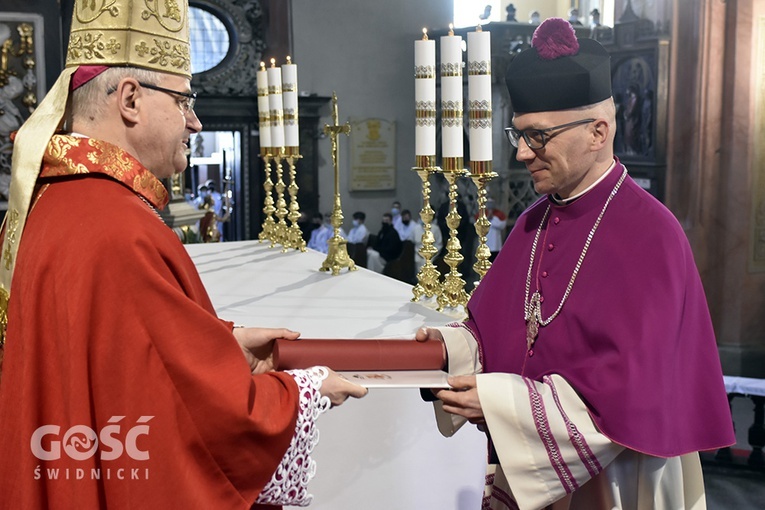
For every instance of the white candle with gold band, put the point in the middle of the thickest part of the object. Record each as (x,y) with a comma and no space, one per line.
(275,104)
(425,101)
(264,122)
(451,101)
(290,97)
(479,99)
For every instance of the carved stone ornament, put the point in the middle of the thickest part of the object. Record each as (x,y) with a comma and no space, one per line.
(235,75)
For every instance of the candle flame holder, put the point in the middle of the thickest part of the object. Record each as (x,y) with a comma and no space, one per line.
(453,289)
(267,229)
(280,228)
(481,175)
(428,284)
(294,238)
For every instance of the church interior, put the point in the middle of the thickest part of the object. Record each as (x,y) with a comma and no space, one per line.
(688,78)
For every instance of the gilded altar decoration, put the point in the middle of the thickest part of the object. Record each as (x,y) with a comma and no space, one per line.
(337,254)
(428,284)
(451,292)
(279,142)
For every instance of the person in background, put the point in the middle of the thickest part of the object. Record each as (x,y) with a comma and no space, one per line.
(497,224)
(395,213)
(319,234)
(408,230)
(588,356)
(387,246)
(358,232)
(121,387)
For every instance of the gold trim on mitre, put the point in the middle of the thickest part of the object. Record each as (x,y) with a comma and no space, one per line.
(152,34)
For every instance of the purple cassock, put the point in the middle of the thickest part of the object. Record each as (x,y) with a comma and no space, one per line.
(634,338)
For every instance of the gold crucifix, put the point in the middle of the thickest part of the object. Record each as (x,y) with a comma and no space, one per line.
(337,251)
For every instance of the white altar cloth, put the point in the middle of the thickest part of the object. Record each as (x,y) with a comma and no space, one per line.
(382,452)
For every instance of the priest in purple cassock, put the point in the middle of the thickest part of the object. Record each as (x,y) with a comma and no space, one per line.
(588,356)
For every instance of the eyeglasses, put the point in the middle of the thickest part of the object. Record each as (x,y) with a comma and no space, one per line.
(538,138)
(186,104)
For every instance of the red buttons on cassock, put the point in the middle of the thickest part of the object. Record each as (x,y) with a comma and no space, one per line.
(544,274)
(550,247)
(556,220)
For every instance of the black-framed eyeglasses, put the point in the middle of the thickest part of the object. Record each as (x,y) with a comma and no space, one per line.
(186,104)
(538,138)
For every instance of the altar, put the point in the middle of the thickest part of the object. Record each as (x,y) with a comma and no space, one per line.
(382,452)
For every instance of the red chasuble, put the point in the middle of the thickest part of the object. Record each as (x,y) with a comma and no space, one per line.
(634,337)
(120,387)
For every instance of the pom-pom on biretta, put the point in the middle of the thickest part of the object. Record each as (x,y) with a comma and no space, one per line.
(559,71)
(555,38)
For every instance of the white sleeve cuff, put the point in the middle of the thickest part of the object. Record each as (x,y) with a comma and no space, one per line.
(289,483)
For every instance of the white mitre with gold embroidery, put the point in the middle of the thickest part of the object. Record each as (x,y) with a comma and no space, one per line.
(151,34)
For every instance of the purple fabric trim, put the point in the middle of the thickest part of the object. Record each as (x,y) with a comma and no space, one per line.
(577,440)
(567,479)
(504,498)
(467,325)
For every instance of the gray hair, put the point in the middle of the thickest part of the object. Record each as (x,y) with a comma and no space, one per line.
(89,100)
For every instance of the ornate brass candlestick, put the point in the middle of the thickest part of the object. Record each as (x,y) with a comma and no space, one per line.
(280,227)
(481,175)
(267,230)
(453,290)
(294,238)
(337,253)
(428,284)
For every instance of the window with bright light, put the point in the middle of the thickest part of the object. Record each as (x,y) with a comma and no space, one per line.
(469,13)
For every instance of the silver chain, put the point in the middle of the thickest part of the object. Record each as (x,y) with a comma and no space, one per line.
(529,308)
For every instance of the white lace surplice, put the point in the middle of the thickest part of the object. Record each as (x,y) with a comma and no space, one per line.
(289,483)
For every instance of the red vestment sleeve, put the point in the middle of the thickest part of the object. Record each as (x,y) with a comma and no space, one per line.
(110,324)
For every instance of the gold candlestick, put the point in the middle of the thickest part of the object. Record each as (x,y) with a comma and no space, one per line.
(294,237)
(481,175)
(428,284)
(337,253)
(453,290)
(267,230)
(280,228)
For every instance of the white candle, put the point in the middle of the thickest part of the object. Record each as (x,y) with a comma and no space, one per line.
(264,118)
(275,104)
(425,97)
(451,98)
(479,96)
(290,97)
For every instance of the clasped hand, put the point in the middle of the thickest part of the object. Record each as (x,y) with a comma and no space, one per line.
(258,348)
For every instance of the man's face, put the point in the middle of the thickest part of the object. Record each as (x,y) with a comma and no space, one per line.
(165,143)
(563,163)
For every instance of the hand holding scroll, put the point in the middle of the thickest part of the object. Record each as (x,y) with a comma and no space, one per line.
(258,344)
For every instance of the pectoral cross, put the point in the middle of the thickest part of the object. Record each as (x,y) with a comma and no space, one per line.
(532,325)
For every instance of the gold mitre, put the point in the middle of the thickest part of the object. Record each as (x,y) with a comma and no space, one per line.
(152,34)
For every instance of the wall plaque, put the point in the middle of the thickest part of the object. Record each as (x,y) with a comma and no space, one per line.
(373,155)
